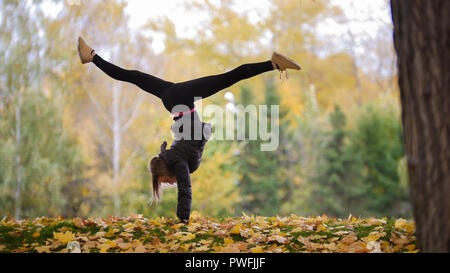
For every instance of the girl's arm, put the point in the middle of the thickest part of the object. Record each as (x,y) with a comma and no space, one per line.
(181,171)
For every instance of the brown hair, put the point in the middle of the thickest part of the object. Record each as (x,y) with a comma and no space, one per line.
(157,167)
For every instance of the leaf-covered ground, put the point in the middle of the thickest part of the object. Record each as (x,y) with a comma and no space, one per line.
(245,234)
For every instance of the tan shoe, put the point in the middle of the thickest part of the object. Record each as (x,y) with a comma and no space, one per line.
(86,53)
(284,62)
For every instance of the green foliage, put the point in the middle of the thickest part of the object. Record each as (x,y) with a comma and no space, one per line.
(264,183)
(336,172)
(358,170)
(377,143)
(46,159)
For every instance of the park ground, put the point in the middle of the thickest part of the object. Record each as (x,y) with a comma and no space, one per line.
(245,234)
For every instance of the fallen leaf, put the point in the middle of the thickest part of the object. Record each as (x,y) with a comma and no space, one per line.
(257,249)
(64,238)
(155,241)
(236,229)
(399,239)
(124,246)
(78,223)
(277,238)
(140,249)
(349,239)
(402,224)
(43,249)
(356,247)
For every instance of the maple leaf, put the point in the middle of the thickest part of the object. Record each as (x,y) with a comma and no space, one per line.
(202,248)
(399,239)
(140,249)
(104,248)
(228,241)
(155,241)
(64,238)
(185,247)
(349,239)
(356,247)
(124,246)
(374,247)
(373,236)
(409,227)
(257,249)
(277,238)
(78,222)
(320,228)
(236,229)
(43,249)
(111,232)
(184,236)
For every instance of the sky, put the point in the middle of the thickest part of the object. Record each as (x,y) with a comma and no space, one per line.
(140,11)
(357,10)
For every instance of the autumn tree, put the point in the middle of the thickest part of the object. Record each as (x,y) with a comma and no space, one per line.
(37,156)
(421,37)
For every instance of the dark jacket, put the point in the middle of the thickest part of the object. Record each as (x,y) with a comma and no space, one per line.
(182,159)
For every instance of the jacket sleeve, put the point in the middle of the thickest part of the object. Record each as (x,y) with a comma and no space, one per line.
(181,170)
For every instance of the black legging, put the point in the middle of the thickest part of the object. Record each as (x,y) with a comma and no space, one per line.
(183,93)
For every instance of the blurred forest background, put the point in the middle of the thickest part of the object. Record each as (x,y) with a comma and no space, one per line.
(74,142)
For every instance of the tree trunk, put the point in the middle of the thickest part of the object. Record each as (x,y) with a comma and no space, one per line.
(18,133)
(117,141)
(422,41)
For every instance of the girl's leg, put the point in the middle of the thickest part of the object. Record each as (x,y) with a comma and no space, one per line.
(209,85)
(146,82)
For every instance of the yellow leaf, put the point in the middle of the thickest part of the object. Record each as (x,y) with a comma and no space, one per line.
(129,227)
(409,227)
(104,247)
(43,249)
(36,234)
(257,249)
(202,248)
(236,229)
(184,236)
(153,222)
(371,238)
(64,237)
(228,241)
(194,227)
(410,247)
(111,232)
(320,228)
(177,226)
(185,247)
